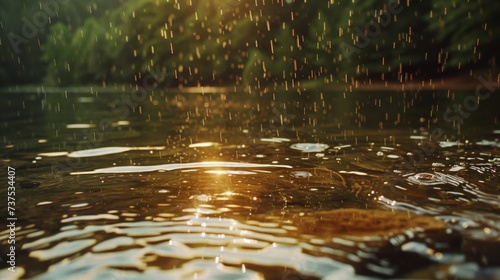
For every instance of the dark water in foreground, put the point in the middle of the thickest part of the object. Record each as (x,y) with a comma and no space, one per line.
(310,185)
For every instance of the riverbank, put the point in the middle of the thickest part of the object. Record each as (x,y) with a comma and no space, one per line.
(455,83)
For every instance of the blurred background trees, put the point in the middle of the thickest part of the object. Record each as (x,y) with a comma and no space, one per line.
(226,42)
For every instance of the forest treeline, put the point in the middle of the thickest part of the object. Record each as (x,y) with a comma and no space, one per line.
(222,42)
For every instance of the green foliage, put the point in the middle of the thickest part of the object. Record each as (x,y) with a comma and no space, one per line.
(56,54)
(466,32)
(366,39)
(249,42)
(19,52)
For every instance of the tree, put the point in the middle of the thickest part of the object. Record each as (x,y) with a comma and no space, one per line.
(466,33)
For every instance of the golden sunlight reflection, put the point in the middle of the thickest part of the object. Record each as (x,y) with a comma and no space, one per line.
(203,145)
(230,172)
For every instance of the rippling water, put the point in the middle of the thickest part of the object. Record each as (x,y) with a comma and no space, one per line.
(252,186)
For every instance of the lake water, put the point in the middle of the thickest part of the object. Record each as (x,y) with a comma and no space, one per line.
(239,185)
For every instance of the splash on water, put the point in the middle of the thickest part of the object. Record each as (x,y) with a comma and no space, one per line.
(310,147)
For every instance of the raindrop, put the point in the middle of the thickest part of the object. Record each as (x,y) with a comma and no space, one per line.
(426,179)
(301,174)
(425,176)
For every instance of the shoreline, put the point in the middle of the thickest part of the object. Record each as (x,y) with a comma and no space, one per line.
(458,83)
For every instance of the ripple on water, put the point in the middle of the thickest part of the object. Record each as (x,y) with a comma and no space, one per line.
(62,249)
(301,174)
(166,244)
(111,244)
(453,188)
(90,218)
(275,140)
(177,166)
(230,172)
(426,179)
(310,147)
(109,150)
(357,237)
(437,178)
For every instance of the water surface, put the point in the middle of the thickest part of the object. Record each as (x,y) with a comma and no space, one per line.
(276,185)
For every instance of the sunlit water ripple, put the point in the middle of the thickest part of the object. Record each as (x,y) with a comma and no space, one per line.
(298,202)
